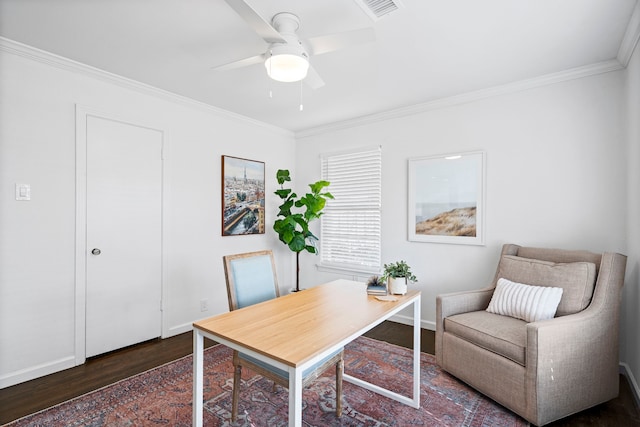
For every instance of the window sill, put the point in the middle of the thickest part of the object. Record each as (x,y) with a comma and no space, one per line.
(352,270)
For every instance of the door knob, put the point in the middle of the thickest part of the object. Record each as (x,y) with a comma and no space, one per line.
(96,251)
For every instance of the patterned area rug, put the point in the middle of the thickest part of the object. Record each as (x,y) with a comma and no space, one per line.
(162,396)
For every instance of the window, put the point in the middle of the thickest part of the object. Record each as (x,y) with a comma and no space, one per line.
(351,223)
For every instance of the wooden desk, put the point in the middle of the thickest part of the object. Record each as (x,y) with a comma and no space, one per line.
(297,330)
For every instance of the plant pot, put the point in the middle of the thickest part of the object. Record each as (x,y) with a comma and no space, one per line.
(397,285)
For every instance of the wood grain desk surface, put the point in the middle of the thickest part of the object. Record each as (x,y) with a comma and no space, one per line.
(295,327)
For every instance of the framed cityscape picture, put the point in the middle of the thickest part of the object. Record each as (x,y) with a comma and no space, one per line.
(242,196)
(446,198)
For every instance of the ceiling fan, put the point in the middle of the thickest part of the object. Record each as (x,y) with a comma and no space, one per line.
(287,57)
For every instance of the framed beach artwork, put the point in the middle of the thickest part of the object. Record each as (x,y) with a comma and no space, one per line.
(242,196)
(446,198)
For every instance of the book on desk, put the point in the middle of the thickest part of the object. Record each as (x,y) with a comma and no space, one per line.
(376,286)
(376,289)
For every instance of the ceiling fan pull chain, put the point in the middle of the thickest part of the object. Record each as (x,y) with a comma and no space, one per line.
(270,80)
(301,105)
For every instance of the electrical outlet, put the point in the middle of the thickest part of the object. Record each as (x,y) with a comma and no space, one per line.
(23,192)
(204,305)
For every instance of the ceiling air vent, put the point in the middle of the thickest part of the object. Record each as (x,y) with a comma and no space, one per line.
(376,9)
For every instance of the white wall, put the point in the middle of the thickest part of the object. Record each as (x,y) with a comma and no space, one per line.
(557,170)
(556,177)
(630,346)
(37,252)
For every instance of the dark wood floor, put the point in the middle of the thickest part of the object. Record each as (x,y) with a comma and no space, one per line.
(32,396)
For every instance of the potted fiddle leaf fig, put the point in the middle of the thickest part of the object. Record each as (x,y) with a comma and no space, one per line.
(292,225)
(398,274)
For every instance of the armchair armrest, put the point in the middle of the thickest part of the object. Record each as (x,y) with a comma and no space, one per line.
(462,302)
(574,359)
(565,355)
(456,303)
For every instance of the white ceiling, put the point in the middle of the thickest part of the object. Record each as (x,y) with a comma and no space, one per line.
(428,50)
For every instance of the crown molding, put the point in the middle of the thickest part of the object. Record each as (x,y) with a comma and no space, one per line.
(548,79)
(630,40)
(57,61)
(631,37)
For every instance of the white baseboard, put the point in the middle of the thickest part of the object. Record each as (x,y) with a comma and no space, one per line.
(54,366)
(626,371)
(407,320)
(177,330)
(37,371)
(399,318)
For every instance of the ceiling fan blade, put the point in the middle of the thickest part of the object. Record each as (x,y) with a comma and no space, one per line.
(313,79)
(240,63)
(331,42)
(255,21)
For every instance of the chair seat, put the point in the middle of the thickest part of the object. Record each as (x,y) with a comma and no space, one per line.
(282,373)
(503,335)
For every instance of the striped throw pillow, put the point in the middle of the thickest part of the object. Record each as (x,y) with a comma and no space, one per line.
(526,302)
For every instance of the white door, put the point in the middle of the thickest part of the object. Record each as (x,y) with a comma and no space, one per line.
(124,225)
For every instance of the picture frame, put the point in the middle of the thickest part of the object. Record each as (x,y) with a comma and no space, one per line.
(243,198)
(446,198)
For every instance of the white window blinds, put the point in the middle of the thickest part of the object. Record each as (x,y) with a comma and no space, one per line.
(351,223)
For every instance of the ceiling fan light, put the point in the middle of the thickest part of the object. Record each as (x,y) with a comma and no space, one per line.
(287,67)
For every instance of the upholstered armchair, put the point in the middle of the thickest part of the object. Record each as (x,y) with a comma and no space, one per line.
(542,370)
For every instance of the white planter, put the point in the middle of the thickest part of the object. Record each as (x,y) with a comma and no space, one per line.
(397,285)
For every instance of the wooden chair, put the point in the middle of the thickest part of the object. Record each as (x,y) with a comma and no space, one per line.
(251,278)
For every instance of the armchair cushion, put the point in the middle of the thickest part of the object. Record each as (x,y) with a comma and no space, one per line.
(505,336)
(529,303)
(577,279)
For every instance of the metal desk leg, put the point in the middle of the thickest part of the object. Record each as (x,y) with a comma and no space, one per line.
(295,397)
(413,401)
(416,353)
(198,377)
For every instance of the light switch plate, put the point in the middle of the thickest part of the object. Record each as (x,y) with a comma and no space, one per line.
(23,192)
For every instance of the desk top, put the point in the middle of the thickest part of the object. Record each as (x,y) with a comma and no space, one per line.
(295,327)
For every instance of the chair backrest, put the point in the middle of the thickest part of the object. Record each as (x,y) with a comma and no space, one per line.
(251,278)
(583,284)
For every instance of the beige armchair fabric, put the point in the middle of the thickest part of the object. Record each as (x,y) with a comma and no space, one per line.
(544,370)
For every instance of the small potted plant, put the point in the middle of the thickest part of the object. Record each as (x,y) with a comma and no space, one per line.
(398,274)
